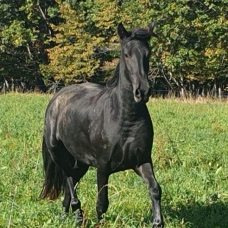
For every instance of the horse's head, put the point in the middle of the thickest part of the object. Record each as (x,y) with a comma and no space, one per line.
(135,56)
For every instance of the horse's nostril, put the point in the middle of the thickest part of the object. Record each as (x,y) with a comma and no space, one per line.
(138,93)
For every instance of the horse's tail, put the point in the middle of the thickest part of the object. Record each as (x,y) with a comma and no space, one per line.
(54,177)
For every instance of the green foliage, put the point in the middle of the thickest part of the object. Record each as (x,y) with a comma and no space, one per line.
(194,38)
(190,162)
(76,40)
(72,57)
(24,32)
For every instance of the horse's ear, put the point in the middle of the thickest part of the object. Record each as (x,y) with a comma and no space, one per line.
(122,32)
(151,28)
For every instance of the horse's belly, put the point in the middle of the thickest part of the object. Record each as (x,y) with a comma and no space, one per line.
(81,151)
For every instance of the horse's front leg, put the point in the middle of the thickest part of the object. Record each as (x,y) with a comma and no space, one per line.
(147,174)
(102,198)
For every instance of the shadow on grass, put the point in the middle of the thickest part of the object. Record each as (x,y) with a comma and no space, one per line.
(189,216)
(213,215)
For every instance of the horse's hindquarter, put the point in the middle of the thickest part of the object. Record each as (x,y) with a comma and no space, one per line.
(68,120)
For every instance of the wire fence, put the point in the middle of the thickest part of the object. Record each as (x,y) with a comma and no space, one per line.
(164,93)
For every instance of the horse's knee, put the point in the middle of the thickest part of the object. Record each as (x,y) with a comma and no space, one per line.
(156,192)
(66,205)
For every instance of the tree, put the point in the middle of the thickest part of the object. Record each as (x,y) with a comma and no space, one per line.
(73,57)
(24,31)
(87,42)
(76,40)
(192,42)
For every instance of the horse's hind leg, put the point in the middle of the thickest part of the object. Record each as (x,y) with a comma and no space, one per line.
(147,174)
(70,197)
(68,194)
(73,170)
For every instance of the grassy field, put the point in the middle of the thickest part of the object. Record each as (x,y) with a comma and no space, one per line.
(190,156)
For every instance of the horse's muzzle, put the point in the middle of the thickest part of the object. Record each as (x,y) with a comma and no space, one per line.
(141,96)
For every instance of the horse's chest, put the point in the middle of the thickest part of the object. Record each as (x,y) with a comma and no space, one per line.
(130,153)
(124,145)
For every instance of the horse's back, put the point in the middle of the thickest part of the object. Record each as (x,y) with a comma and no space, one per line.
(73,96)
(76,92)
(70,104)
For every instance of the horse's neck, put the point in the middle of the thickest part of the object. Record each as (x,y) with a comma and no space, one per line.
(125,86)
(122,95)
(124,92)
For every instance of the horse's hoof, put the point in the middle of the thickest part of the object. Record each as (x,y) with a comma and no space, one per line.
(79,216)
(158,223)
(158,226)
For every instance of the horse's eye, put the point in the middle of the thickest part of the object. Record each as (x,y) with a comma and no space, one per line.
(126,55)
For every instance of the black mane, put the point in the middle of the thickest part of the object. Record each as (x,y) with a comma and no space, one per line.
(141,34)
(111,83)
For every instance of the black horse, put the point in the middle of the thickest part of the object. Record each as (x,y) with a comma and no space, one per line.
(107,127)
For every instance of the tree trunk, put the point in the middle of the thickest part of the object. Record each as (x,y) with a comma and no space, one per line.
(220,92)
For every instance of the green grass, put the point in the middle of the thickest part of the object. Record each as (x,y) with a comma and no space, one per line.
(190,156)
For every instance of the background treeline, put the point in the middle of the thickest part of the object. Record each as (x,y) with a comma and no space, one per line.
(75,41)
